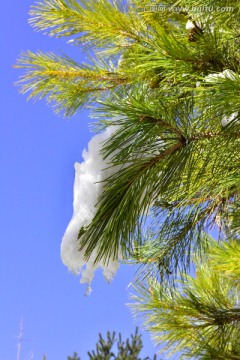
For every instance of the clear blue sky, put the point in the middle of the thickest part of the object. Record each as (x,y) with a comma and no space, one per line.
(37,154)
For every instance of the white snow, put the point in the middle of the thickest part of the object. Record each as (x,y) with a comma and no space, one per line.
(226,74)
(228,119)
(190,25)
(88,187)
(87,190)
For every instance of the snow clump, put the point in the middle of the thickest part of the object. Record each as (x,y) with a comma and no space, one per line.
(87,188)
(226,74)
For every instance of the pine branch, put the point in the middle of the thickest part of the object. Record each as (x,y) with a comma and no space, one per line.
(202,311)
(92,23)
(66,83)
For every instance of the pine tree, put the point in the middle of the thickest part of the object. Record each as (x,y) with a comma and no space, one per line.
(74,357)
(125,350)
(165,76)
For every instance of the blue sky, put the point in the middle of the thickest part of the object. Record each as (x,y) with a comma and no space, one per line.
(37,154)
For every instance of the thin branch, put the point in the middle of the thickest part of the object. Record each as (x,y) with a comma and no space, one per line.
(164,154)
(20,337)
(162,122)
(210,135)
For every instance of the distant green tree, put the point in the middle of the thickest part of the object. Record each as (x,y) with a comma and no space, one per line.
(74,357)
(125,350)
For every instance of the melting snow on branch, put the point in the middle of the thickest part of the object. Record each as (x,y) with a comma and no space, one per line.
(226,74)
(87,189)
(229,119)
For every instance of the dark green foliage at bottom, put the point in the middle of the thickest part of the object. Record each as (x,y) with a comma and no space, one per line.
(125,350)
